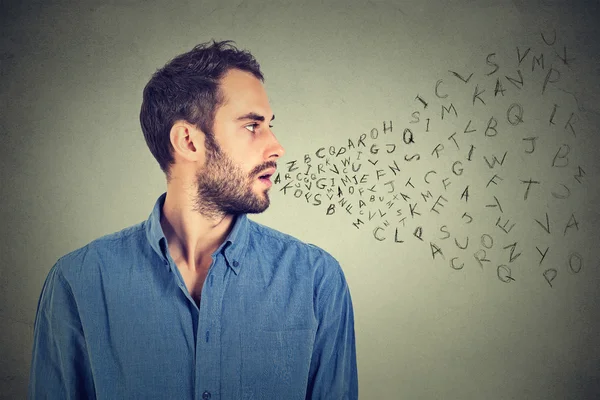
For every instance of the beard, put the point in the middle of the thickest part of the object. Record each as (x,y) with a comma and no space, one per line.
(223,188)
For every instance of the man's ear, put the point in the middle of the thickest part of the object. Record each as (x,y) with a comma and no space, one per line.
(187,141)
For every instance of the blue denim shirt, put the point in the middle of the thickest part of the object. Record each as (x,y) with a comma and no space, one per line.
(115,321)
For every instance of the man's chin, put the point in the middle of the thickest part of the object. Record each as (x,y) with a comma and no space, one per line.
(260,208)
(259,204)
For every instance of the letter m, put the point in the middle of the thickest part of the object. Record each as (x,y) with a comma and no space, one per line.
(448,109)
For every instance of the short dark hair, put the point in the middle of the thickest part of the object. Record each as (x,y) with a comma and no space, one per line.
(187,88)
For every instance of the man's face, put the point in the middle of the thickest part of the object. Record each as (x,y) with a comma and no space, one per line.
(241,156)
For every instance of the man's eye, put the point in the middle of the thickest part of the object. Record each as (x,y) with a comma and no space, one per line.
(251,127)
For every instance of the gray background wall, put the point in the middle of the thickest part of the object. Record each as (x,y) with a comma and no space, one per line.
(432,321)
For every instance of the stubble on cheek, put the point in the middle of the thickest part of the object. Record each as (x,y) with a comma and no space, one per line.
(223,188)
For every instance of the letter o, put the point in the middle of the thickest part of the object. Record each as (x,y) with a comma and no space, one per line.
(491,240)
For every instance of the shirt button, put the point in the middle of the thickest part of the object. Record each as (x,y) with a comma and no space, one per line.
(235,263)
(206,395)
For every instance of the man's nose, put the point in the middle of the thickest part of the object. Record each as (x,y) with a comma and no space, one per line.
(276,150)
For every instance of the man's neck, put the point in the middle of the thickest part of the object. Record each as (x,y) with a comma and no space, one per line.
(192,238)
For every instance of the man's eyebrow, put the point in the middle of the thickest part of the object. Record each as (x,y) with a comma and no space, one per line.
(254,116)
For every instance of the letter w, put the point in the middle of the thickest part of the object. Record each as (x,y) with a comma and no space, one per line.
(495,160)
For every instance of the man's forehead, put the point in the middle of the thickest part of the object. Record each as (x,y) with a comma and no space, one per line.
(244,97)
(244,109)
(235,79)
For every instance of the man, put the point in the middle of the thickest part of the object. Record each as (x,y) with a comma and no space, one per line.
(198,301)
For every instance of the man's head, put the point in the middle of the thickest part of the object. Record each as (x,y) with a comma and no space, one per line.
(207,110)
(187,88)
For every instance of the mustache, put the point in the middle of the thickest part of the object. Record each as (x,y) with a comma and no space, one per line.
(260,168)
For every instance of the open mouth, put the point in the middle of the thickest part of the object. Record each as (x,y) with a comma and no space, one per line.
(265,176)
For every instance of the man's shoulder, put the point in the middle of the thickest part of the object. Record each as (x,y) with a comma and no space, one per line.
(107,246)
(304,261)
(265,233)
(280,243)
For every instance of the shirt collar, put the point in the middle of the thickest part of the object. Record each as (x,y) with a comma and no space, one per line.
(233,248)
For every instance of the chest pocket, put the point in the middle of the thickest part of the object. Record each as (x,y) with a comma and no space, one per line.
(275,364)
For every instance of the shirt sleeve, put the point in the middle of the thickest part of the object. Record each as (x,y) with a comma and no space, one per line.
(333,372)
(60,367)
